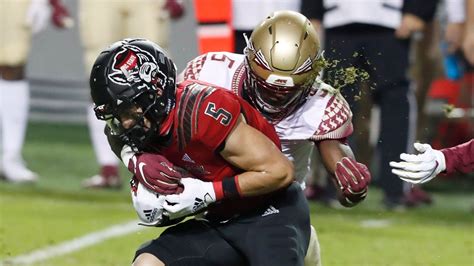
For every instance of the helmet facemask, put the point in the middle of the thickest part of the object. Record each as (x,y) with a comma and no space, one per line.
(274,100)
(139,111)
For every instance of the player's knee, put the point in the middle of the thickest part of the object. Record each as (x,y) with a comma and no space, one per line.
(313,255)
(147,259)
(12,72)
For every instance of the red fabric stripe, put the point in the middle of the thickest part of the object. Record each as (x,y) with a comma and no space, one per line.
(236,180)
(218,189)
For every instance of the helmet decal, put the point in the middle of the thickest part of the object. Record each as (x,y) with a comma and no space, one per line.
(133,64)
(261,61)
(305,67)
(280,80)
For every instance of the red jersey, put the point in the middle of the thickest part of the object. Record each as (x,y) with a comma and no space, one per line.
(202,119)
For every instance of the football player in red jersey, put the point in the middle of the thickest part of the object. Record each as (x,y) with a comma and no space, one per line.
(102,22)
(251,210)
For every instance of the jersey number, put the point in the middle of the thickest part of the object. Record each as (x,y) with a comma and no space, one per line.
(223,58)
(221,115)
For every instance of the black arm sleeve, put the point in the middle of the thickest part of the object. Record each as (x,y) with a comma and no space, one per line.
(114,141)
(312,9)
(423,9)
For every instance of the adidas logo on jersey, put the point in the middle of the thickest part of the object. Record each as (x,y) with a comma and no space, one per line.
(270,210)
(186,158)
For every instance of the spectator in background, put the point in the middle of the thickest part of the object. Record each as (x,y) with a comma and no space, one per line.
(375,36)
(455,16)
(20,19)
(439,40)
(421,168)
(246,14)
(103,22)
(468,43)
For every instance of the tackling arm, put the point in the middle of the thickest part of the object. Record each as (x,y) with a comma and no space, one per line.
(350,177)
(267,169)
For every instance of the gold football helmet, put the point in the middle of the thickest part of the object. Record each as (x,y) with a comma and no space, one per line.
(282,60)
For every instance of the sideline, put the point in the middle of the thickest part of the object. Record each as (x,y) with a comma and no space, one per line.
(74,244)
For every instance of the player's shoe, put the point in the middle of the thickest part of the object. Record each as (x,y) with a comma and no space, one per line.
(16,172)
(107,178)
(420,195)
(99,181)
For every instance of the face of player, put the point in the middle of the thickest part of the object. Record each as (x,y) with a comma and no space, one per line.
(133,115)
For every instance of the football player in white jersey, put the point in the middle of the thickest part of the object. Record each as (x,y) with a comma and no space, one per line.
(277,74)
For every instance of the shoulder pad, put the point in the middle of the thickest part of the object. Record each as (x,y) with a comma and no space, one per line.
(336,122)
(194,67)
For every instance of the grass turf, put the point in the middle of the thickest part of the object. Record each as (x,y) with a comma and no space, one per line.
(56,209)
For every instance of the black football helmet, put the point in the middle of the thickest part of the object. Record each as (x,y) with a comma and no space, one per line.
(133,73)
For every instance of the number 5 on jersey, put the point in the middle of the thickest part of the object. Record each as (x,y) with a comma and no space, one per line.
(221,115)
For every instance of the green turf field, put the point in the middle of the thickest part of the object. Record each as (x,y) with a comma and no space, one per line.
(57,210)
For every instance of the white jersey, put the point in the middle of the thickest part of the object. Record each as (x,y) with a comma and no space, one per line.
(325,115)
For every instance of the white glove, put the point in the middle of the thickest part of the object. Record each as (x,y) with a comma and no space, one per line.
(147,204)
(420,168)
(196,196)
(38,15)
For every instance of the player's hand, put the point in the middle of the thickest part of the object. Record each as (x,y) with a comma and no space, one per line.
(468,46)
(454,36)
(37,15)
(60,15)
(419,168)
(196,196)
(156,173)
(408,26)
(175,8)
(353,179)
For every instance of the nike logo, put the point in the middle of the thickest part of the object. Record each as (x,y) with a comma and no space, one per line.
(140,168)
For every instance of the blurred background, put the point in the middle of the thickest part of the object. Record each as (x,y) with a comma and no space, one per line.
(69,216)
(59,89)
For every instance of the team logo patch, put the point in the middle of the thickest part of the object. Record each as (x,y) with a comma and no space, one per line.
(280,81)
(134,65)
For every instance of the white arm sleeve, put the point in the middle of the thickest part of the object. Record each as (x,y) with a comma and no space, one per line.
(455,11)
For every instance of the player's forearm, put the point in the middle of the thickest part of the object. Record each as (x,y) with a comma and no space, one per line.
(470,14)
(460,158)
(350,177)
(252,183)
(332,152)
(259,183)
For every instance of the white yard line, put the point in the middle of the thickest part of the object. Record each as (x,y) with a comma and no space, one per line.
(376,223)
(74,244)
